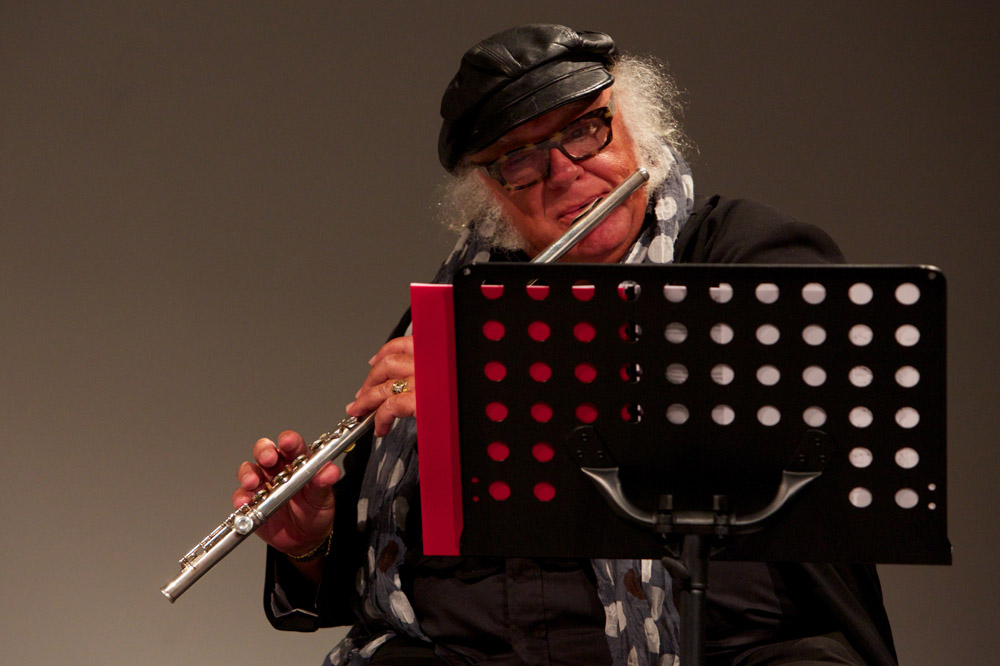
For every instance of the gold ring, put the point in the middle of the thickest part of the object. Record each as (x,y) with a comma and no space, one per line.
(400,386)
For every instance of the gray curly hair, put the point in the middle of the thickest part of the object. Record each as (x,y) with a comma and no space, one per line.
(651,103)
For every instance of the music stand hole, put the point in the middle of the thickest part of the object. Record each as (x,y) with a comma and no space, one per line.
(539,331)
(723,415)
(767,293)
(499,491)
(583,292)
(675,293)
(907,335)
(860,335)
(768,334)
(629,290)
(814,376)
(907,376)
(498,451)
(722,374)
(814,416)
(677,414)
(631,413)
(861,376)
(907,458)
(630,332)
(907,498)
(586,413)
(861,417)
(585,372)
(907,417)
(723,293)
(544,491)
(543,452)
(768,375)
(860,457)
(860,497)
(540,371)
(493,330)
(675,332)
(541,412)
(814,335)
(676,373)
(814,293)
(860,293)
(907,293)
(496,411)
(584,331)
(495,371)
(538,292)
(630,372)
(768,415)
(491,291)
(722,334)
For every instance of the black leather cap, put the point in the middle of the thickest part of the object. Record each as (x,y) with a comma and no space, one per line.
(514,76)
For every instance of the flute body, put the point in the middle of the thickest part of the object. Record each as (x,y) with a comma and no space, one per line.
(242,522)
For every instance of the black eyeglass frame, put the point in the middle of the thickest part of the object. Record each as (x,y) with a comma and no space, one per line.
(555,140)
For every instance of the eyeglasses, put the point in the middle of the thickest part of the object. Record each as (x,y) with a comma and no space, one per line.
(584,137)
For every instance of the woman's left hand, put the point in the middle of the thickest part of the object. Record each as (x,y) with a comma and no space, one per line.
(389,388)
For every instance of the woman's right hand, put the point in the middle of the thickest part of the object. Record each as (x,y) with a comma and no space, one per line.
(304,522)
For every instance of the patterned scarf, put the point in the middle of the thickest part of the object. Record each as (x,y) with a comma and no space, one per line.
(641,621)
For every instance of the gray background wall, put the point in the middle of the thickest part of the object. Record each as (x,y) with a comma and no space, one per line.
(210,213)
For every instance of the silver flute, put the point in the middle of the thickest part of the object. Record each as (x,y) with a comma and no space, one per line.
(242,522)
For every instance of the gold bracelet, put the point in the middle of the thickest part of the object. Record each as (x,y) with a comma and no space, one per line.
(324,546)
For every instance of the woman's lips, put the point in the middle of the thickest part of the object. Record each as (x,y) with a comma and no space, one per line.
(574,212)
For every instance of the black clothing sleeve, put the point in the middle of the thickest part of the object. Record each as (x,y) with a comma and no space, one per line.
(738,231)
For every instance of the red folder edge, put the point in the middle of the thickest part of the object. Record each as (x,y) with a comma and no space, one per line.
(433,313)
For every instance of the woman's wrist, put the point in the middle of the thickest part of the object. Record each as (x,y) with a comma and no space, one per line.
(321,550)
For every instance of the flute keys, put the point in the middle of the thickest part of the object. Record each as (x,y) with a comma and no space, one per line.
(243,524)
(323,440)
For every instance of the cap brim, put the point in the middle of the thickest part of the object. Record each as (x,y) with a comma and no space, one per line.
(535,93)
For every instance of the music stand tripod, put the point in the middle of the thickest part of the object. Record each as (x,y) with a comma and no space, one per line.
(788,413)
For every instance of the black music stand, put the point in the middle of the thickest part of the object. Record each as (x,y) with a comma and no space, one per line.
(755,413)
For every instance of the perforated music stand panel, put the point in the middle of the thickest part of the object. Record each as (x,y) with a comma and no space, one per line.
(703,380)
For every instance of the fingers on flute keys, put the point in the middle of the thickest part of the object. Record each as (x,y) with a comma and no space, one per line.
(271,458)
(389,388)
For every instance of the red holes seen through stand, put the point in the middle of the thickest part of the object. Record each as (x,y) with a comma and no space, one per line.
(585,372)
(498,451)
(541,412)
(493,330)
(539,331)
(499,491)
(584,332)
(540,372)
(583,292)
(587,413)
(495,371)
(545,491)
(538,292)
(543,452)
(496,411)
(492,291)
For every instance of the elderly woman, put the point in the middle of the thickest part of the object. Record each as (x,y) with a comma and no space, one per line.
(539,122)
